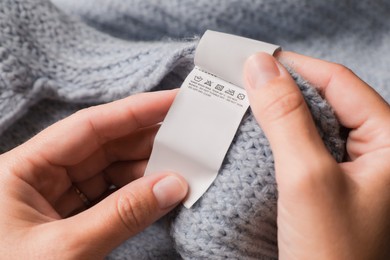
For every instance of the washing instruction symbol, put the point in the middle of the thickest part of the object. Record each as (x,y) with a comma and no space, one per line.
(219,87)
(230,92)
(208,83)
(198,78)
(240,96)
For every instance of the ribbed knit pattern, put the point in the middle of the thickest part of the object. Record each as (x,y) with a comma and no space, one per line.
(46,54)
(239,209)
(54,62)
(354,33)
(236,217)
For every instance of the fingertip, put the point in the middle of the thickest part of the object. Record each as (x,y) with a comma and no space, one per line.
(279,107)
(170,190)
(259,70)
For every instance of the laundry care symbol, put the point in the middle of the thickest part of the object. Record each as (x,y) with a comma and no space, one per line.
(240,96)
(219,87)
(198,78)
(208,83)
(230,92)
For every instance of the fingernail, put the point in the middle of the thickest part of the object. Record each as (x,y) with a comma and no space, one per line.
(169,191)
(260,69)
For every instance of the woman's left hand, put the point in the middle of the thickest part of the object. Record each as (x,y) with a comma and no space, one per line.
(47,184)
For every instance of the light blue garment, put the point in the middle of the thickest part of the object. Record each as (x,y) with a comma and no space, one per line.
(54,62)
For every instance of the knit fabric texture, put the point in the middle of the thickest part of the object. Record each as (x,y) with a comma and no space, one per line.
(57,57)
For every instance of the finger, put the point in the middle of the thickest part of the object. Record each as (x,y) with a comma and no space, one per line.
(118,174)
(75,138)
(279,107)
(344,90)
(122,173)
(69,202)
(356,104)
(50,181)
(136,146)
(124,213)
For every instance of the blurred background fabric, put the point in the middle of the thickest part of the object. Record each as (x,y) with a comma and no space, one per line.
(353,33)
(62,55)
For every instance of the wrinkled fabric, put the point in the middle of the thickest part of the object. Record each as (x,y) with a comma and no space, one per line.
(56,58)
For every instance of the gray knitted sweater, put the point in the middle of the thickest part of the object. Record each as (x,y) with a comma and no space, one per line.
(57,59)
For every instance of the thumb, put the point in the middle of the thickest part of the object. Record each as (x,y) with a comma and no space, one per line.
(280,109)
(125,213)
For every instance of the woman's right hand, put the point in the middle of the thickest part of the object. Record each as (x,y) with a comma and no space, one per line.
(326,210)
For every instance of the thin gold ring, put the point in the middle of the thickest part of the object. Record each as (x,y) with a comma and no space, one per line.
(82,196)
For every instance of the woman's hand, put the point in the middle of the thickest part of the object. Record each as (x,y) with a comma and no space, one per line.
(47,183)
(326,210)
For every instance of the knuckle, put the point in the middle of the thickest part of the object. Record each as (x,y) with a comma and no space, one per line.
(81,116)
(282,103)
(84,112)
(86,118)
(313,175)
(133,212)
(339,70)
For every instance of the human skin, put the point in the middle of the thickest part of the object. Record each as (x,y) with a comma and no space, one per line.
(41,215)
(326,210)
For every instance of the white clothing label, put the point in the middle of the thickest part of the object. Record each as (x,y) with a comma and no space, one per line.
(203,119)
